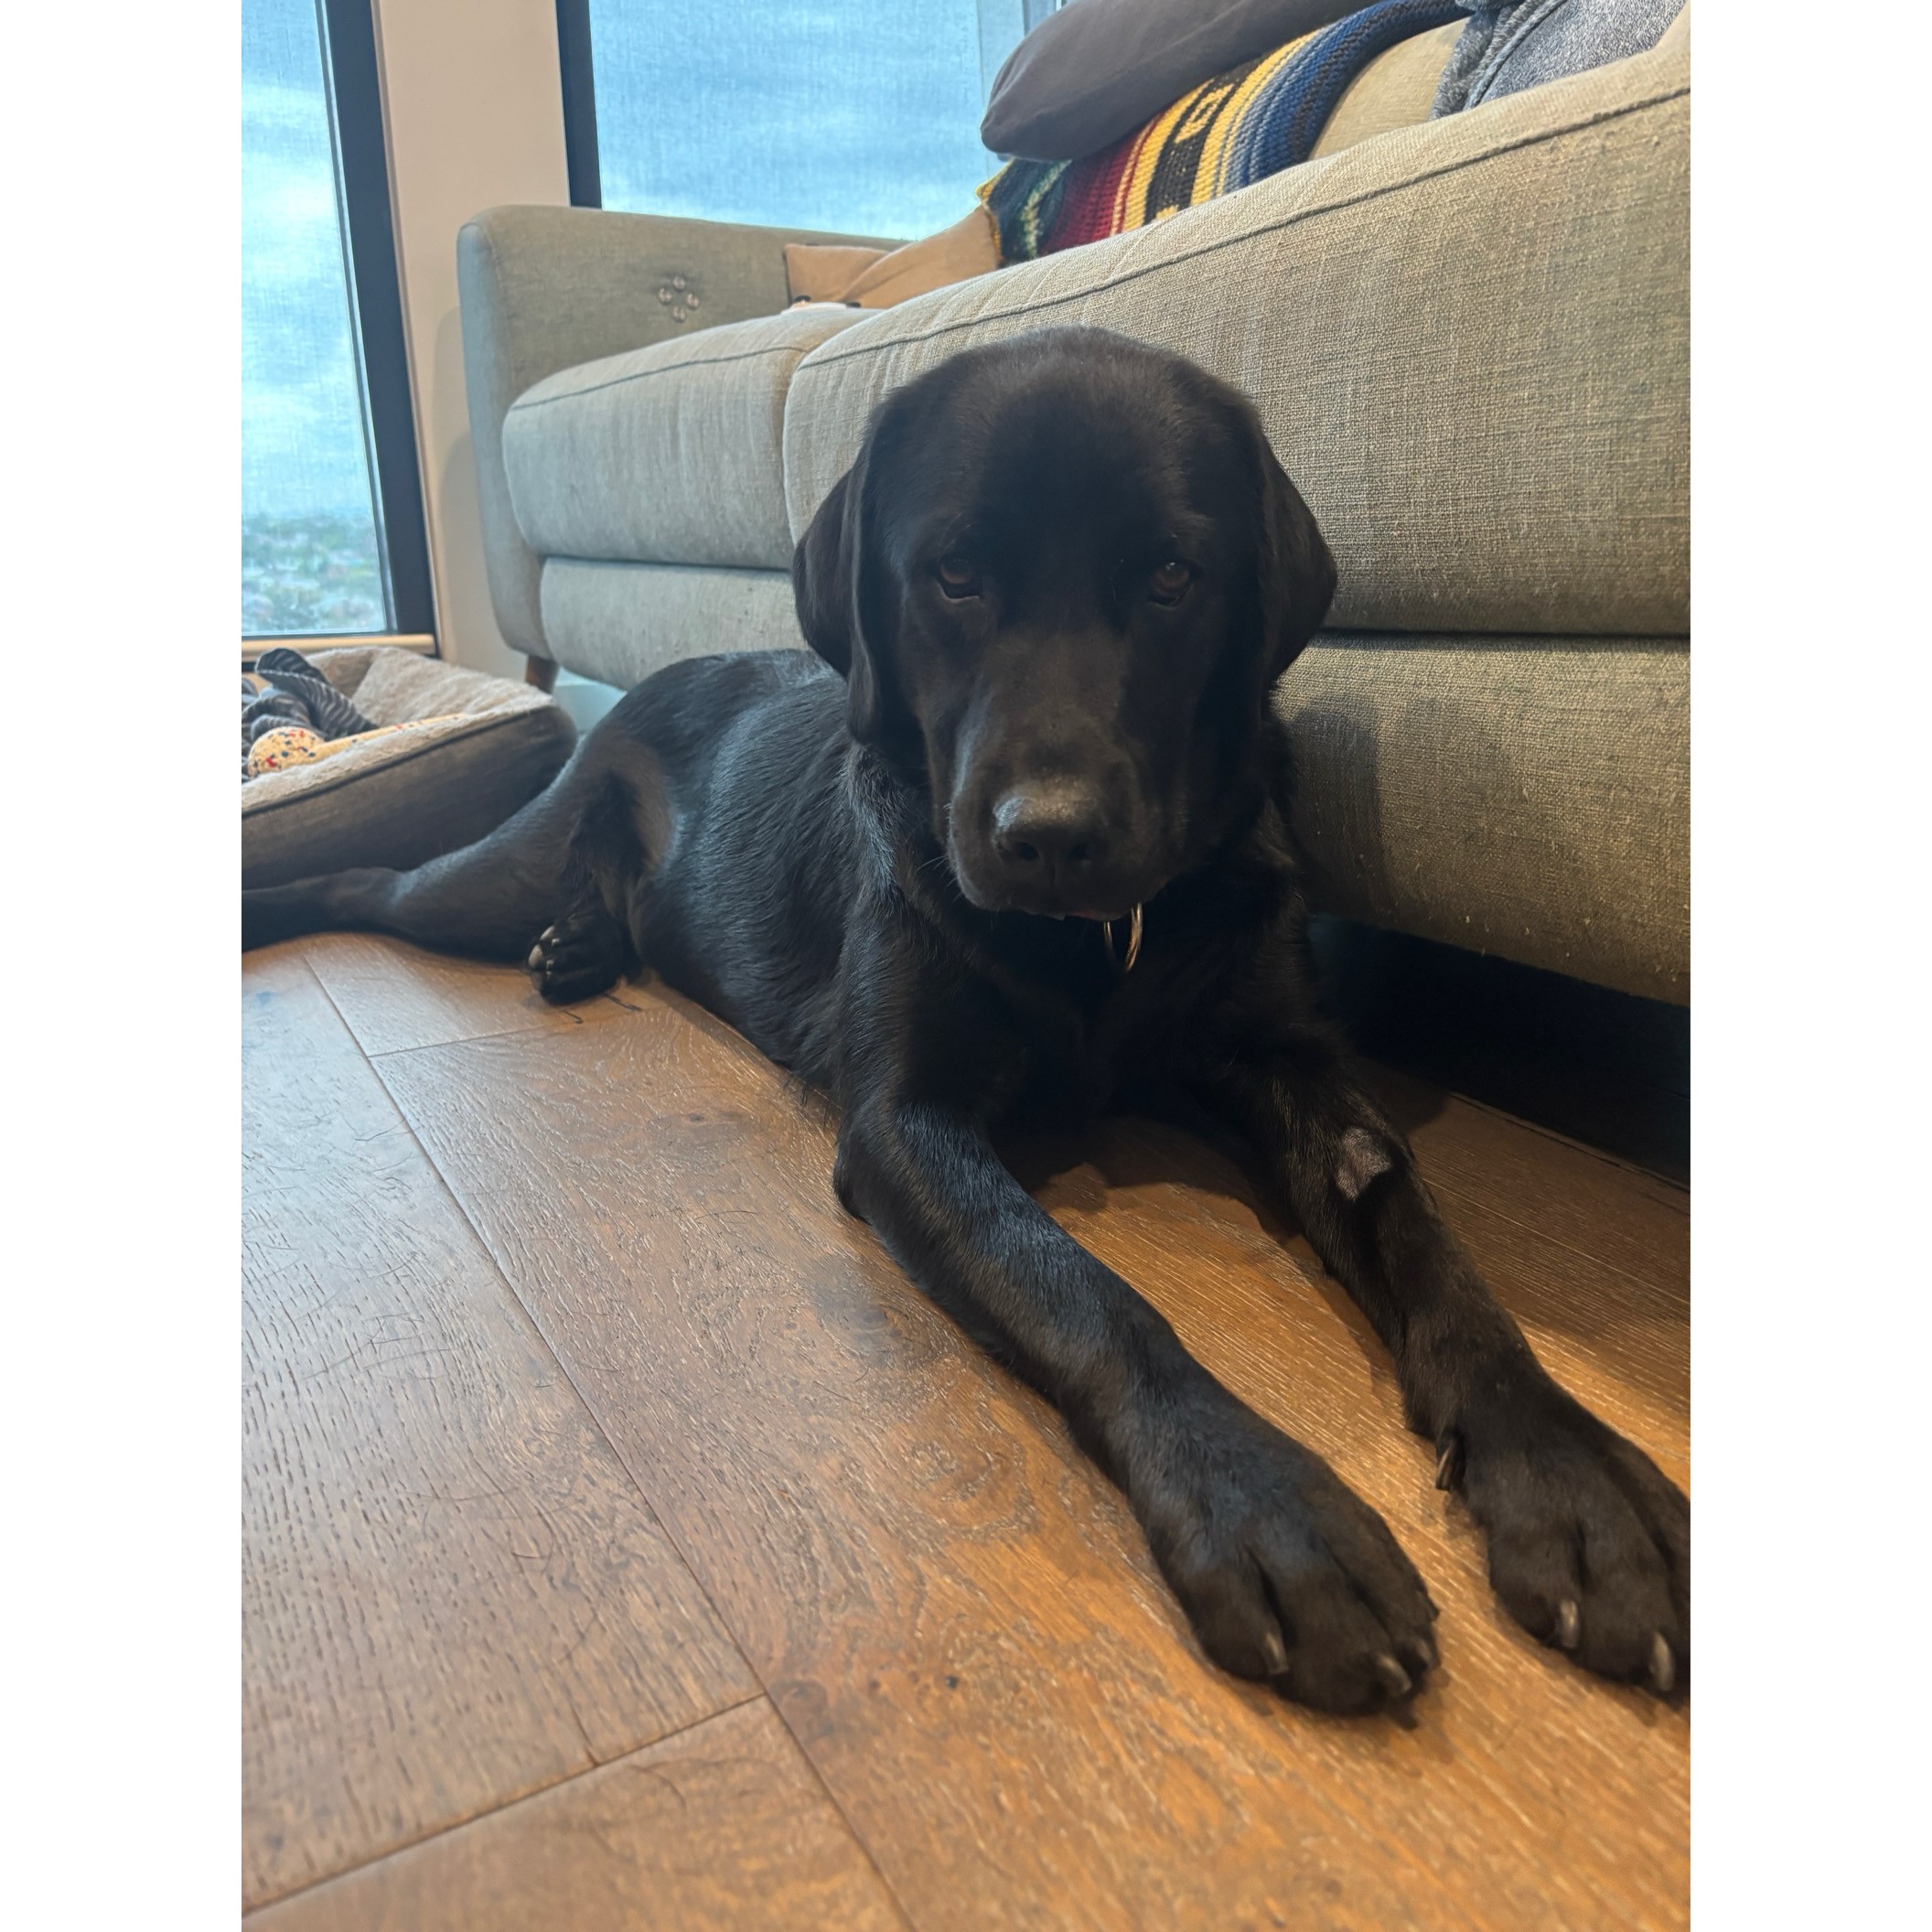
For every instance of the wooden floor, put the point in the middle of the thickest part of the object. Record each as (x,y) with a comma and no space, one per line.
(628,1544)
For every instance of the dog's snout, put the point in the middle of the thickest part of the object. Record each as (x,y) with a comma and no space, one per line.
(1057,830)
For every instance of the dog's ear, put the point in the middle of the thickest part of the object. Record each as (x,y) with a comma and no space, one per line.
(1298,574)
(828,570)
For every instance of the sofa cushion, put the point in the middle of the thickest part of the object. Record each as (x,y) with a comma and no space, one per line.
(619,622)
(1525,796)
(1469,340)
(1396,88)
(666,455)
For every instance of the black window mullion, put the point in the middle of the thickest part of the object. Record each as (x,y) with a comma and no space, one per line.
(580,103)
(354,79)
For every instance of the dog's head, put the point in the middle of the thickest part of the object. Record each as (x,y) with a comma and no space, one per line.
(1060,579)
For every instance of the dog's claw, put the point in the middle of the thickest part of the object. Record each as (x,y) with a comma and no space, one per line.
(1663,1666)
(1449,1460)
(1418,1655)
(535,961)
(1569,1624)
(1277,1652)
(1395,1679)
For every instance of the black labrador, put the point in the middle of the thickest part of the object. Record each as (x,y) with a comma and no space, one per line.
(1020,851)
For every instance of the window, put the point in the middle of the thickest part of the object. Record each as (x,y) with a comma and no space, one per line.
(331,505)
(858,115)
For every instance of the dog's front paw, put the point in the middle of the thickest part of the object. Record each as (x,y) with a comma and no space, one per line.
(1589,1542)
(1285,1573)
(582,954)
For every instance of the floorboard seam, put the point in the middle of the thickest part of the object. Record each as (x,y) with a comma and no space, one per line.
(420,1046)
(508,1804)
(657,1514)
(1543,1234)
(509,1274)
(1570,1141)
(595,1422)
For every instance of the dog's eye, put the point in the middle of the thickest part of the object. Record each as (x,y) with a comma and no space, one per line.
(958,577)
(1171,582)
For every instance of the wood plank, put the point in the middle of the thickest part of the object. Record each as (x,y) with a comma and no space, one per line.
(722,1826)
(1621,1344)
(452,1592)
(956,1615)
(395,996)
(1623,1216)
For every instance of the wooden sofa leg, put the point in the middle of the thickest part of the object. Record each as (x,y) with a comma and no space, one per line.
(542,672)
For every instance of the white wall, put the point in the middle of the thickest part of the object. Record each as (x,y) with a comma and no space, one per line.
(473,102)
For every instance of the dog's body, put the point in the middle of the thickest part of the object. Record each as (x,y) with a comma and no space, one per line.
(1055,592)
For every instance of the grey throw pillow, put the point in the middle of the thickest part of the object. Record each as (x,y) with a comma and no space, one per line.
(1098,68)
(1509,45)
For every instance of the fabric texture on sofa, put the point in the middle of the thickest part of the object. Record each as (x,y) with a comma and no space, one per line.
(1511,795)
(547,288)
(702,418)
(620,622)
(1476,369)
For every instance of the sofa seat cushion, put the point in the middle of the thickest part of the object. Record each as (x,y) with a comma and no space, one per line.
(666,455)
(1469,342)
(1524,795)
(620,622)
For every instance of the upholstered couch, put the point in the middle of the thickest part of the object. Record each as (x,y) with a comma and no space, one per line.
(1469,341)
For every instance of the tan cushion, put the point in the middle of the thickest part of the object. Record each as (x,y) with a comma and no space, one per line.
(667,454)
(872,278)
(1396,88)
(824,271)
(1469,341)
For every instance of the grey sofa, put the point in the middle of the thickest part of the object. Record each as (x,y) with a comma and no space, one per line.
(1469,341)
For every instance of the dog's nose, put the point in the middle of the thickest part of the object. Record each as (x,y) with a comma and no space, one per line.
(1052,830)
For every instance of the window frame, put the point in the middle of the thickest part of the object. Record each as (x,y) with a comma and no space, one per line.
(580,103)
(352,89)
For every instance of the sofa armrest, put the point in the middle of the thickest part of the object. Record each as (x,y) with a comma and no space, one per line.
(546,288)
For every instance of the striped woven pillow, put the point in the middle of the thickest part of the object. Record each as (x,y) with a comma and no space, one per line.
(1230,132)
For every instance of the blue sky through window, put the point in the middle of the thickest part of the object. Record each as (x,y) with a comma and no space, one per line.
(861,115)
(310,558)
(854,115)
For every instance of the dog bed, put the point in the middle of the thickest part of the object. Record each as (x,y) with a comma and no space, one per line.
(480,747)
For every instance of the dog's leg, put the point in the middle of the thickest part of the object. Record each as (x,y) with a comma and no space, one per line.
(1589,1544)
(589,947)
(1286,1574)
